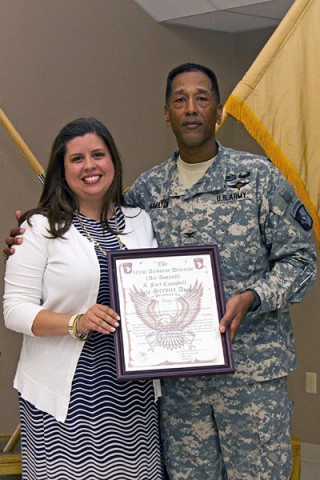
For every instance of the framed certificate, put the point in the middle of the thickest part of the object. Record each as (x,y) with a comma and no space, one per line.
(170,301)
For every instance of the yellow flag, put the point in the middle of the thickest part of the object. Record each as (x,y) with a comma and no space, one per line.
(278,102)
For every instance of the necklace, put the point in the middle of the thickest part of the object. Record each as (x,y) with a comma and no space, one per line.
(94,241)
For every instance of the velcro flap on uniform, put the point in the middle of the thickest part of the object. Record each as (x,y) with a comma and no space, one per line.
(282,198)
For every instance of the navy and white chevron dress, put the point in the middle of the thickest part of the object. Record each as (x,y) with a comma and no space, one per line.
(111,431)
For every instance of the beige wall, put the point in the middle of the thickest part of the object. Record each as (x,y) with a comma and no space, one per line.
(61,59)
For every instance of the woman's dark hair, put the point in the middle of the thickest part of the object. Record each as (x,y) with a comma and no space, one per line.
(57,201)
(192,67)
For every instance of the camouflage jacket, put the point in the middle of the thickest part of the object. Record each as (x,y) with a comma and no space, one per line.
(245,206)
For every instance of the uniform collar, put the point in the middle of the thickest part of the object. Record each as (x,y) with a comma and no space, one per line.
(212,181)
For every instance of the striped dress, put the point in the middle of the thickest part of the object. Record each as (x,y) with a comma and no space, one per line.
(111,430)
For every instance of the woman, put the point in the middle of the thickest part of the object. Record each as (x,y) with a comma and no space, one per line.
(77,421)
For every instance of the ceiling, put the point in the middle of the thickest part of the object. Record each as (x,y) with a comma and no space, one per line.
(221,15)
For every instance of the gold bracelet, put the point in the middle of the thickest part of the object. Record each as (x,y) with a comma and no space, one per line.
(78,333)
(70,328)
(73,331)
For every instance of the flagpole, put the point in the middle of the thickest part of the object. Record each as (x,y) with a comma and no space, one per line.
(22,146)
(223,119)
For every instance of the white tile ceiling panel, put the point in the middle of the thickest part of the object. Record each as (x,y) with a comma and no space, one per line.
(162,10)
(223,15)
(226,22)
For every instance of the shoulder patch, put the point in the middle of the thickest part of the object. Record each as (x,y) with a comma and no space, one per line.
(300,213)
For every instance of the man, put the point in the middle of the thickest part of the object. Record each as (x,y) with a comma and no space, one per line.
(230,426)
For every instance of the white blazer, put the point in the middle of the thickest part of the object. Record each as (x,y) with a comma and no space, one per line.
(62,275)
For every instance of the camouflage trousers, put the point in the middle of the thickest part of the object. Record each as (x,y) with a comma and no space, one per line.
(212,432)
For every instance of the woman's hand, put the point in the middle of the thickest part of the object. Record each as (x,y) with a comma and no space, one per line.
(99,318)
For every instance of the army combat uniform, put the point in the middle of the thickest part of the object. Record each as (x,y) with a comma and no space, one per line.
(245,206)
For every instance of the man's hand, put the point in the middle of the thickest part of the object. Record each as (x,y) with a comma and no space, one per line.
(12,240)
(236,309)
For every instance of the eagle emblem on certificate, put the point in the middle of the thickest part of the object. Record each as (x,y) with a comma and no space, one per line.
(169,328)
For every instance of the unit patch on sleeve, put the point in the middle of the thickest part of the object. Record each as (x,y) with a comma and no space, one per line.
(299,212)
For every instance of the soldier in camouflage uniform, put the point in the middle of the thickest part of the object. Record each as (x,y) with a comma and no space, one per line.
(230,426)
